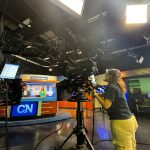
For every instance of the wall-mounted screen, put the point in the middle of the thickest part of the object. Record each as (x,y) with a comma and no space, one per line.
(138,85)
(39,91)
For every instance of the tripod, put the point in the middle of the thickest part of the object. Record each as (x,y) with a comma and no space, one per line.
(5,103)
(79,130)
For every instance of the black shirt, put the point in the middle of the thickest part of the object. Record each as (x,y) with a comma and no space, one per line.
(119,108)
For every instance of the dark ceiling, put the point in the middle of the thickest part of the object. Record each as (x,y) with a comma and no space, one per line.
(72,44)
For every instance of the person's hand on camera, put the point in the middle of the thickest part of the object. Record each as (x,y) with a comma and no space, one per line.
(94,91)
(101,95)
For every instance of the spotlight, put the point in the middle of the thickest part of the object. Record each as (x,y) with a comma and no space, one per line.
(46,58)
(79,52)
(147,39)
(69,52)
(73,7)
(50,69)
(136,14)
(97,17)
(29,46)
(26,22)
(140,59)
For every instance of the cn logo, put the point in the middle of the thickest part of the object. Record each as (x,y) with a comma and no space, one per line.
(26,108)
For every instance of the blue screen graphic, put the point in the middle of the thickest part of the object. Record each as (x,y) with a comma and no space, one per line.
(24,109)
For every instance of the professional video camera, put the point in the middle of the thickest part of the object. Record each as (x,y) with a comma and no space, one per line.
(78,81)
(73,88)
(10,88)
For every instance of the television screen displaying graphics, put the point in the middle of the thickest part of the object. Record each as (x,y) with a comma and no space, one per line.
(24,109)
(39,91)
(139,85)
(9,71)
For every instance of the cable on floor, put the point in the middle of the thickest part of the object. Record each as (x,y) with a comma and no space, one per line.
(48,136)
(51,133)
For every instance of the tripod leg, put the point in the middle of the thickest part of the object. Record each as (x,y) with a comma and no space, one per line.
(66,140)
(88,141)
(80,140)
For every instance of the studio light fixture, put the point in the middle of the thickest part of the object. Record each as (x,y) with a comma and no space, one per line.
(29,46)
(138,59)
(147,38)
(26,22)
(73,7)
(46,58)
(50,69)
(79,52)
(136,14)
(98,16)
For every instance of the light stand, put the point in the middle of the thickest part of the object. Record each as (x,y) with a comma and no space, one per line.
(80,130)
(93,119)
(6,117)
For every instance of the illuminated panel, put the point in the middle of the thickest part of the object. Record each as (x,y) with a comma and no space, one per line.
(3,111)
(67,104)
(49,108)
(39,108)
(24,109)
(74,7)
(38,78)
(136,14)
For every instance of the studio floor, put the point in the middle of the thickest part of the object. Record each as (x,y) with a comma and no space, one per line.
(27,137)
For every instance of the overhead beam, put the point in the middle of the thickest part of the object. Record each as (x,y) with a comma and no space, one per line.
(128,49)
(52,27)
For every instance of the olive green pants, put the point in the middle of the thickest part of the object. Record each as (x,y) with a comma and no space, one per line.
(123,132)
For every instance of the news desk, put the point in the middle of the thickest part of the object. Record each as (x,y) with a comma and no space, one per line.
(34,106)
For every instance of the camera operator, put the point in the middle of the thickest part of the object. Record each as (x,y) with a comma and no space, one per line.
(122,122)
